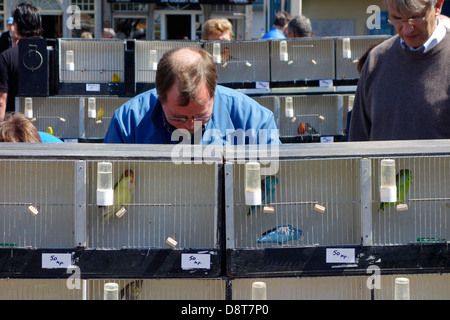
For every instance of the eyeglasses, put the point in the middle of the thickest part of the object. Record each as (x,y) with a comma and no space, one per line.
(192,118)
(412,21)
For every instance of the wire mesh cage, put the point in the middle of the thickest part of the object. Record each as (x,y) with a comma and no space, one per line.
(37,204)
(349,50)
(307,202)
(98,112)
(91,60)
(160,205)
(128,289)
(433,286)
(420,212)
(57,115)
(148,54)
(302,59)
(311,115)
(240,62)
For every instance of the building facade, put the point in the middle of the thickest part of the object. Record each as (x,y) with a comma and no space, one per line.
(183,19)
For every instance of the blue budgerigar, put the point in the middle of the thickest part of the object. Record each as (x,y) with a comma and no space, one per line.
(281,235)
(268,186)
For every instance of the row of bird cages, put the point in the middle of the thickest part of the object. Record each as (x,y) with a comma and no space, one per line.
(83,118)
(158,202)
(99,66)
(75,288)
(368,287)
(88,118)
(160,211)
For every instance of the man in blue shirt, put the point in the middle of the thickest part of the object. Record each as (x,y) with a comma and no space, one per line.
(188,106)
(279,27)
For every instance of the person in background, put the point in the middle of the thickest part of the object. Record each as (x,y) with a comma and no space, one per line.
(27,24)
(403,93)
(278,30)
(6,39)
(86,35)
(217,29)
(188,106)
(108,33)
(16,127)
(299,27)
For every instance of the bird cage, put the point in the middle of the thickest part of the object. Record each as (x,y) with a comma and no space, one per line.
(311,115)
(91,66)
(55,114)
(429,286)
(124,202)
(421,211)
(324,206)
(98,112)
(304,61)
(147,55)
(38,203)
(240,64)
(74,288)
(349,50)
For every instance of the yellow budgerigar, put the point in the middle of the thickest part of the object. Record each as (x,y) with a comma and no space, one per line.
(123,194)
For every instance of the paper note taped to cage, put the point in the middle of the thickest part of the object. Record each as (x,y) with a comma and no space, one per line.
(92,87)
(56,260)
(195,261)
(340,255)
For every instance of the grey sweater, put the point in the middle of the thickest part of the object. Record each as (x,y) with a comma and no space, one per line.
(403,94)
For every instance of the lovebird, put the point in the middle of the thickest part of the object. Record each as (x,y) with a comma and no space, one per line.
(281,235)
(123,193)
(267,192)
(403,180)
(131,291)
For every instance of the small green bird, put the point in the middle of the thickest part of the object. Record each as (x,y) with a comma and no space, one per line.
(403,181)
(131,291)
(123,193)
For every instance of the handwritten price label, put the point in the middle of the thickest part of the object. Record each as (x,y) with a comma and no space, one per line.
(195,261)
(340,255)
(56,260)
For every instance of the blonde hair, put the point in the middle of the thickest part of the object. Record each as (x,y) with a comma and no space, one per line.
(16,127)
(216,26)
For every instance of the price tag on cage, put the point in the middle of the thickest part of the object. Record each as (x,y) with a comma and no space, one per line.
(195,261)
(340,255)
(56,260)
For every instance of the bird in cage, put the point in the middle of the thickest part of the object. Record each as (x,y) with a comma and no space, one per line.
(403,181)
(131,291)
(123,194)
(281,235)
(268,186)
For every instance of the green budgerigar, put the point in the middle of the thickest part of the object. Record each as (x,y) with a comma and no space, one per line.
(131,291)
(123,194)
(403,181)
